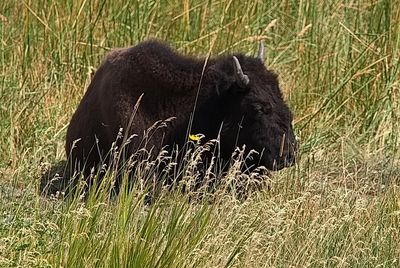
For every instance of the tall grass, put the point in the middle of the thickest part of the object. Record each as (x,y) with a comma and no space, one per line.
(338,63)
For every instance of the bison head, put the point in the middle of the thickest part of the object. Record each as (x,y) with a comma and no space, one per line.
(254,113)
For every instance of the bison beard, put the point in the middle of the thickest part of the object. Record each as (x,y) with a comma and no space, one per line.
(226,94)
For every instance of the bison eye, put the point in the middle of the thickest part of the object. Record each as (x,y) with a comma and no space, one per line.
(262,109)
(259,110)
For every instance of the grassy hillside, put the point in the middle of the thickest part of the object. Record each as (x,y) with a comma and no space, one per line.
(339,69)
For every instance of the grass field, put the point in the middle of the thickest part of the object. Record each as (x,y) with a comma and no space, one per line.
(339,70)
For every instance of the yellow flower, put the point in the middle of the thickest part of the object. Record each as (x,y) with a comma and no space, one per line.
(195,137)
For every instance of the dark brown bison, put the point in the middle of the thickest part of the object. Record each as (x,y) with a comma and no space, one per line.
(232,97)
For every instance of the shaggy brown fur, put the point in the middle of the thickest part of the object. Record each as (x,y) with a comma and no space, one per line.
(170,83)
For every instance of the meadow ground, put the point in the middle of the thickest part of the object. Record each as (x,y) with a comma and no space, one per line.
(339,206)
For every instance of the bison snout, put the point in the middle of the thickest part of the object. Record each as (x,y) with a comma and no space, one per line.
(287,155)
(284,162)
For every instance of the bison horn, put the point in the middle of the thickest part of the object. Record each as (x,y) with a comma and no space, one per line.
(242,79)
(261,51)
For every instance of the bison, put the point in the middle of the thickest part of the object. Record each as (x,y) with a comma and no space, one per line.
(234,98)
